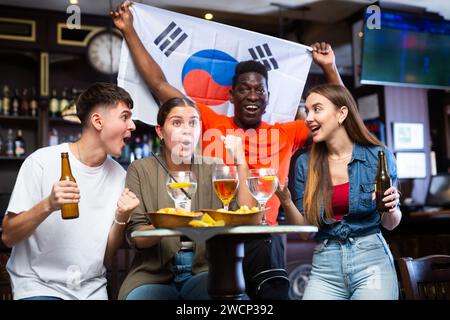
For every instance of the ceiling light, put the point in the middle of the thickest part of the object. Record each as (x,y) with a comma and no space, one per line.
(209,16)
(73,1)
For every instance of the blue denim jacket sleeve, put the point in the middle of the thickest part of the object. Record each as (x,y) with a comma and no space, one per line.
(392,168)
(301,167)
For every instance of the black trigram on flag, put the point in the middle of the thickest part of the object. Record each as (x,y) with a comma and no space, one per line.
(170,39)
(264,55)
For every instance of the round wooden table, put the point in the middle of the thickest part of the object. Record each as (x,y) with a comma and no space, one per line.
(224,252)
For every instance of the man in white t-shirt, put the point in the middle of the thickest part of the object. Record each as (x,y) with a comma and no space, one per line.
(54,258)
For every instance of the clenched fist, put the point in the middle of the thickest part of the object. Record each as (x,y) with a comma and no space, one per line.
(233,145)
(323,54)
(122,17)
(126,205)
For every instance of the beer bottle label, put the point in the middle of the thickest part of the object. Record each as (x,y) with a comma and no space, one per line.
(19,149)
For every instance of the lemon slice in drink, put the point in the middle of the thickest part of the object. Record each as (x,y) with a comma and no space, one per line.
(179,185)
(269,178)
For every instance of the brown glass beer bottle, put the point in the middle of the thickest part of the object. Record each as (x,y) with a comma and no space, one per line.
(68,210)
(382,182)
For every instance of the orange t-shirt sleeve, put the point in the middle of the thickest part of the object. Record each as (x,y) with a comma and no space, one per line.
(297,131)
(208,116)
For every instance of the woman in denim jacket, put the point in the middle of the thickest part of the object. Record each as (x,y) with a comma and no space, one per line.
(334,190)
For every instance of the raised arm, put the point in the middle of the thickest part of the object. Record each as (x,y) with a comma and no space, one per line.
(293,215)
(323,56)
(149,70)
(127,202)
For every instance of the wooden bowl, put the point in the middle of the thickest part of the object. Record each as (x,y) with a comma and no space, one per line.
(170,220)
(237,219)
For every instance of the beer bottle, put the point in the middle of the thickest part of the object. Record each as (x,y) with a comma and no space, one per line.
(68,210)
(19,144)
(63,103)
(24,103)
(53,106)
(33,104)
(10,144)
(6,101)
(15,103)
(382,182)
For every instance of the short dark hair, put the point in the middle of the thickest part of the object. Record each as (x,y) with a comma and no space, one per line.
(249,66)
(101,94)
(165,108)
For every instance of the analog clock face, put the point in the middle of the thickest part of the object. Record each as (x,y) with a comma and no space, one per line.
(104,52)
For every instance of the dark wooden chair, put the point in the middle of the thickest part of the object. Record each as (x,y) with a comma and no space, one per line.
(119,270)
(5,287)
(426,278)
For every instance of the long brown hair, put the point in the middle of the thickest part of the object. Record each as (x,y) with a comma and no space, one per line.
(318,189)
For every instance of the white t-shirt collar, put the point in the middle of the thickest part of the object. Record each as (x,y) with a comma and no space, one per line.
(74,160)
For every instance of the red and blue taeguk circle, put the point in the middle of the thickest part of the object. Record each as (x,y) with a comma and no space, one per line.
(207,76)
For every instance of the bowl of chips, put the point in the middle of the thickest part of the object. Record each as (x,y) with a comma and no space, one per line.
(206,221)
(244,216)
(172,218)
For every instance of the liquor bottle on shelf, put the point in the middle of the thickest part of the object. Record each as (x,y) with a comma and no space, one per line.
(70,111)
(9,144)
(53,137)
(125,156)
(6,101)
(53,106)
(64,102)
(74,96)
(146,146)
(15,103)
(138,148)
(19,144)
(1,145)
(132,157)
(1,103)
(33,103)
(157,145)
(24,103)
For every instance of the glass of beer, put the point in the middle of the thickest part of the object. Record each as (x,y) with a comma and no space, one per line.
(225,180)
(262,184)
(181,187)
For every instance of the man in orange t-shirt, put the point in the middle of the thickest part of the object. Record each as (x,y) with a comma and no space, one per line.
(266,145)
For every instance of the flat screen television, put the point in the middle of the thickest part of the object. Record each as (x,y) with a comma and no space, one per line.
(439,191)
(408,50)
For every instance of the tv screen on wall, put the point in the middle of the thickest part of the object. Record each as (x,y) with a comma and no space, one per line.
(408,50)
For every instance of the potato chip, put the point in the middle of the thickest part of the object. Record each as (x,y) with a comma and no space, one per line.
(207,221)
(198,223)
(178,212)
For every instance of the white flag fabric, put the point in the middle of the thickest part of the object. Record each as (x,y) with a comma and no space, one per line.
(199,57)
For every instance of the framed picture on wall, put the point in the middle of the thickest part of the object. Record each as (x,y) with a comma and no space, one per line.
(408,136)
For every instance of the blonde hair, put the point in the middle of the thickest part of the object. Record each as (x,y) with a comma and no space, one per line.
(318,188)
